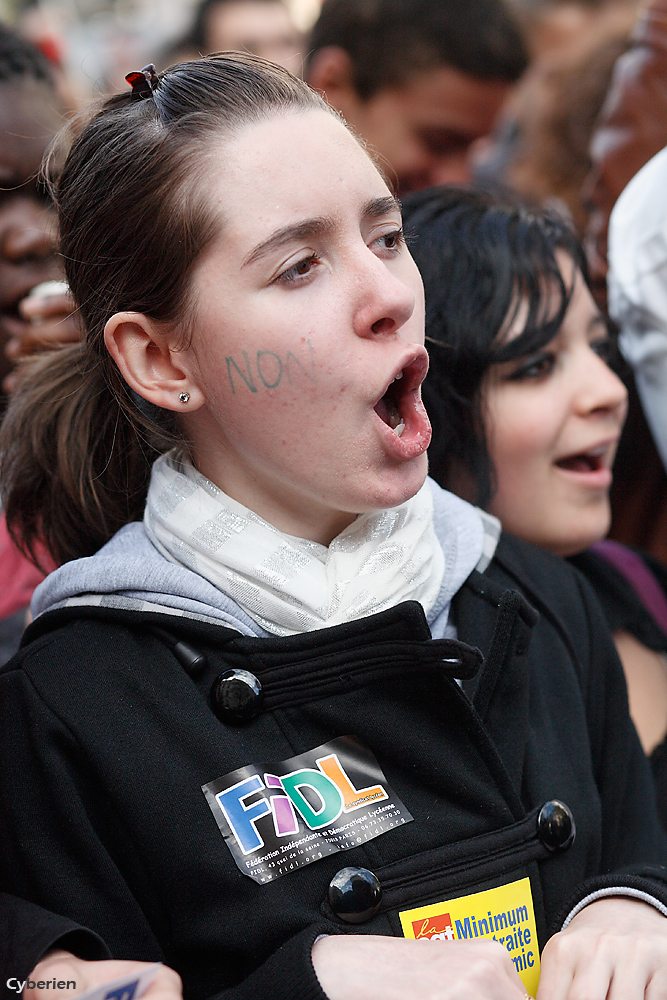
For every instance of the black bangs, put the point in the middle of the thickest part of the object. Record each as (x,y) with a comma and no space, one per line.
(539,302)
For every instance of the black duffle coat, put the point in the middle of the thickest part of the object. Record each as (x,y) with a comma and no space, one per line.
(109,735)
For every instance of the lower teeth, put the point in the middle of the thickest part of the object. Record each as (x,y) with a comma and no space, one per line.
(399,430)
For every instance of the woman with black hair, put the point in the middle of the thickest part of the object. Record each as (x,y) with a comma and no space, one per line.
(527,411)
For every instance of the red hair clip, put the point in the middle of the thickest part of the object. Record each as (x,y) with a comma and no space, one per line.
(143,82)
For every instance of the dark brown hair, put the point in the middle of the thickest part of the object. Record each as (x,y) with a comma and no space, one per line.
(76,446)
(390,41)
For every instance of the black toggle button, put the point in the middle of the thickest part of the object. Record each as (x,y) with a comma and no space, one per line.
(354,895)
(555,826)
(192,661)
(236,696)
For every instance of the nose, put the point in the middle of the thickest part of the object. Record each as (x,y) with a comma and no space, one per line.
(385,301)
(600,389)
(433,171)
(454,168)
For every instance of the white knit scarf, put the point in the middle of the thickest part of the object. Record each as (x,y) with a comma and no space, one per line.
(288,584)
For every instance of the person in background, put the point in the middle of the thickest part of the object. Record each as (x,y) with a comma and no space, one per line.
(540,146)
(421,82)
(527,412)
(30,114)
(637,279)
(263,27)
(632,127)
(574,132)
(555,26)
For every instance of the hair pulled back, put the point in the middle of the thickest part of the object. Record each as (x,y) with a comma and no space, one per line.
(481,257)
(75,446)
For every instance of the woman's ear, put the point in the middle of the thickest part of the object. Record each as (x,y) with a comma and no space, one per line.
(331,71)
(149,362)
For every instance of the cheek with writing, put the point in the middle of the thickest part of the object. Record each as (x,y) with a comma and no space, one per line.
(267,370)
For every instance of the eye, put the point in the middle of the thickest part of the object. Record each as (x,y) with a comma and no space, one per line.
(534,367)
(392,241)
(302,269)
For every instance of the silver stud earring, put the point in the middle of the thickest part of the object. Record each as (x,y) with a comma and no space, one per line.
(184,396)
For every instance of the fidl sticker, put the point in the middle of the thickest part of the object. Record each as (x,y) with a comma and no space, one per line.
(276,818)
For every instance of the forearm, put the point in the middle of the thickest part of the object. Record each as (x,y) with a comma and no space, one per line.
(28,933)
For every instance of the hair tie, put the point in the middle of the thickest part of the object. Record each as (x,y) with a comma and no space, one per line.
(143,82)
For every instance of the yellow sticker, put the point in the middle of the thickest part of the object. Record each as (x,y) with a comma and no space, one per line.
(504,914)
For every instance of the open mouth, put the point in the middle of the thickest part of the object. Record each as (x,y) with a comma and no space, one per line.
(587,461)
(399,404)
(388,407)
(580,463)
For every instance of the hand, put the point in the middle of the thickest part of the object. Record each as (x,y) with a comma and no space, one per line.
(50,322)
(60,965)
(614,949)
(363,967)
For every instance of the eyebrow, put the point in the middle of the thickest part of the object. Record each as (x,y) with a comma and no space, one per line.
(373,209)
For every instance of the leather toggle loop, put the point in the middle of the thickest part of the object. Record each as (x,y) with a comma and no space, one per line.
(192,660)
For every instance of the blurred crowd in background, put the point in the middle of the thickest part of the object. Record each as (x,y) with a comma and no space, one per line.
(94,41)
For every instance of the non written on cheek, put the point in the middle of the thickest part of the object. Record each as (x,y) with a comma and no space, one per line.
(268,369)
